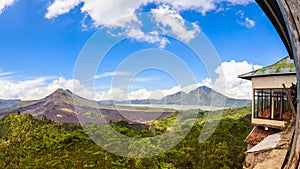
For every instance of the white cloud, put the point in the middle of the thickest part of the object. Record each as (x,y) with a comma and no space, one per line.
(71,84)
(241,14)
(170,18)
(205,82)
(200,6)
(126,22)
(21,90)
(228,82)
(59,7)
(240,2)
(249,23)
(40,87)
(145,79)
(122,94)
(5,3)
(5,73)
(111,74)
(131,28)
(111,94)
(152,37)
(122,14)
(105,12)
(139,94)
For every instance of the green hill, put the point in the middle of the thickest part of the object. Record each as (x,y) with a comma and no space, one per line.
(26,142)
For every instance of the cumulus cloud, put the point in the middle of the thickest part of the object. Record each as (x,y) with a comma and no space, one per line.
(20,90)
(169,18)
(122,14)
(204,5)
(5,3)
(228,82)
(105,12)
(59,7)
(71,84)
(131,27)
(152,37)
(40,87)
(139,94)
(111,94)
(122,94)
(101,11)
(205,82)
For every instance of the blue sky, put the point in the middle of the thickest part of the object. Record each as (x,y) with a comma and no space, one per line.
(41,42)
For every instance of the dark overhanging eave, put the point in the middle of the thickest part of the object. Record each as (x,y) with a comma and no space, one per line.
(272,10)
(245,77)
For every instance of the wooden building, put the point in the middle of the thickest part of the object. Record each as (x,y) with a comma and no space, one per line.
(270,107)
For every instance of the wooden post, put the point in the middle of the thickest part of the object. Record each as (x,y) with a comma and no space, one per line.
(290,100)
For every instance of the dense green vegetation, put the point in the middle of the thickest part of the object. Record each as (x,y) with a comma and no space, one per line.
(26,142)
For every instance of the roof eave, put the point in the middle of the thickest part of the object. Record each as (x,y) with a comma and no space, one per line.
(245,77)
(254,76)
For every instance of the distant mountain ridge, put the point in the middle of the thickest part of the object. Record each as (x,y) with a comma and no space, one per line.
(65,106)
(8,103)
(202,96)
(59,106)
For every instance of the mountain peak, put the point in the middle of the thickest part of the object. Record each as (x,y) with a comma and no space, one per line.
(61,91)
(203,88)
(60,94)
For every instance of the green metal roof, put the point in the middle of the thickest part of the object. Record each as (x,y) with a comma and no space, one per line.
(283,67)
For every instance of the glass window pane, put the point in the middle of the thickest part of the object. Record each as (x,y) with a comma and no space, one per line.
(270,104)
(256,105)
(277,107)
(258,92)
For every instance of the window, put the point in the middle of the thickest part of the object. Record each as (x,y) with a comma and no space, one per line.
(270,104)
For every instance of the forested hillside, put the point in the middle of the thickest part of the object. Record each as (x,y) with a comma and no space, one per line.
(26,142)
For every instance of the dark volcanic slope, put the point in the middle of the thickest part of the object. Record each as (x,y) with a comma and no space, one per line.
(59,106)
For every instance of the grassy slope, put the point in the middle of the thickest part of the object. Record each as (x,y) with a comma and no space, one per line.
(26,142)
